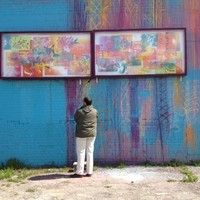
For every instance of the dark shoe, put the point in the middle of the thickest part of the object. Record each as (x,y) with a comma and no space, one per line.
(76,176)
(70,170)
(88,175)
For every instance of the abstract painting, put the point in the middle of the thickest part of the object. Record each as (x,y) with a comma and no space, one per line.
(140,52)
(35,55)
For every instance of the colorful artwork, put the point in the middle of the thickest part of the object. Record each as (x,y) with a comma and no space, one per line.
(46,55)
(143,52)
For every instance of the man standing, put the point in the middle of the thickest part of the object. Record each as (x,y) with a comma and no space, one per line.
(86,128)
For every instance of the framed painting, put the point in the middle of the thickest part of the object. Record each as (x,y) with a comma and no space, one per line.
(45,55)
(140,52)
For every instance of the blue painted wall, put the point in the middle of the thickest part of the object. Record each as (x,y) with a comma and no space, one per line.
(140,119)
(32,119)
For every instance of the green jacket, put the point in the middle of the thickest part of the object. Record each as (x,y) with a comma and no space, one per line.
(86,121)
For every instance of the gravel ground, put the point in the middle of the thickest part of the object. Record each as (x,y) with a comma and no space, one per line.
(137,183)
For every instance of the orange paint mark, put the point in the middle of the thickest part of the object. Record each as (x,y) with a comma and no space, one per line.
(50,72)
(29,71)
(190,136)
(106,6)
(178,100)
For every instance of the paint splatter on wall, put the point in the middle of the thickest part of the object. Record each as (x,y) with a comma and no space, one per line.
(144,119)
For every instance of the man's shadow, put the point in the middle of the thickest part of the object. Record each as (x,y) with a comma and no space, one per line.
(48,177)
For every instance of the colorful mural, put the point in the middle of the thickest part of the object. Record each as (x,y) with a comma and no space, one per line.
(144,52)
(46,55)
(141,119)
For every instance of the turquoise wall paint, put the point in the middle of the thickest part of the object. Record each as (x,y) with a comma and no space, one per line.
(44,15)
(140,119)
(32,120)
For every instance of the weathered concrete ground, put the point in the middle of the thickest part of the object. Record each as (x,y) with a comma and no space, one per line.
(145,183)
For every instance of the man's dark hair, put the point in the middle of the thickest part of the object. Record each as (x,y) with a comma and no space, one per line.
(88,101)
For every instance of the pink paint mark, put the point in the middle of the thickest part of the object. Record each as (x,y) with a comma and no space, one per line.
(147,109)
(71,96)
(126,148)
(135,136)
(110,147)
(121,13)
(129,14)
(70,88)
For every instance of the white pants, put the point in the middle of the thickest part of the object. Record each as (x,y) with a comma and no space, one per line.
(82,145)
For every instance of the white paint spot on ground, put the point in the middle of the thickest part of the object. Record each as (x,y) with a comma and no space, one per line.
(143,174)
